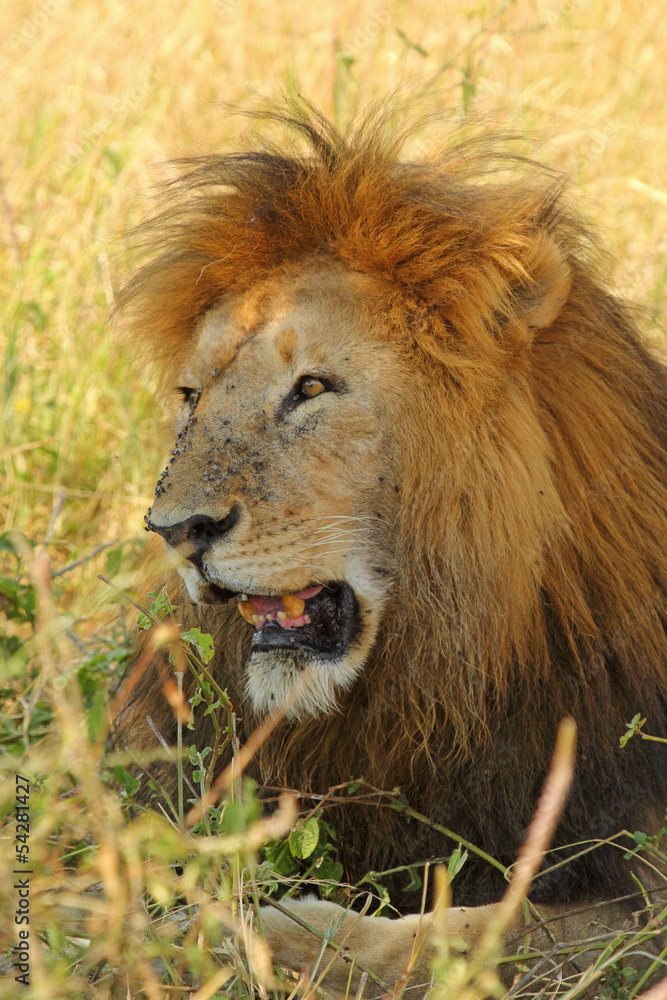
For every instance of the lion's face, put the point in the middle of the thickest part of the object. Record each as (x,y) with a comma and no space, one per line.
(282,486)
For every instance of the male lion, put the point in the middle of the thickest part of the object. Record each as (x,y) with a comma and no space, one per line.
(419,490)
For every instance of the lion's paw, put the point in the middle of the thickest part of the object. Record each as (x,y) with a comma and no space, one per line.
(389,950)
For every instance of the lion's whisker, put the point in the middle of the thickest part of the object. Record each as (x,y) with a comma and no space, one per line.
(343,517)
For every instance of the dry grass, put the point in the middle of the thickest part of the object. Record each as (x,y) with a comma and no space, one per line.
(95,95)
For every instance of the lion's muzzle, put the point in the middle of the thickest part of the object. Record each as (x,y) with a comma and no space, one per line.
(195,535)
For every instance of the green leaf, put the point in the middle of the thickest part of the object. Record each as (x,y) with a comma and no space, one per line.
(202,693)
(234,818)
(161,606)
(237,816)
(195,756)
(415,881)
(456,862)
(17,600)
(278,859)
(303,840)
(633,727)
(329,870)
(96,717)
(201,641)
(127,781)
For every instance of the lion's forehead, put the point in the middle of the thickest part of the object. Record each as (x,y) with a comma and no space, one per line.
(310,319)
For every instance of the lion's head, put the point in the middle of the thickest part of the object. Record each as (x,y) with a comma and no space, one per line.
(423,450)
(284,478)
(359,346)
(320,440)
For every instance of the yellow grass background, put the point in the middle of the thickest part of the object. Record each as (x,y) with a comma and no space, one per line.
(94,95)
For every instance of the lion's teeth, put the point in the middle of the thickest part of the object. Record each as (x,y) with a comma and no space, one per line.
(282,616)
(293,605)
(243,597)
(270,617)
(261,619)
(255,619)
(247,609)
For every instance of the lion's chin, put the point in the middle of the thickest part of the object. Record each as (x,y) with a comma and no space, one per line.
(299,684)
(301,671)
(300,666)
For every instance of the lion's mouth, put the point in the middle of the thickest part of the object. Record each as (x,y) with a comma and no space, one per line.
(322,620)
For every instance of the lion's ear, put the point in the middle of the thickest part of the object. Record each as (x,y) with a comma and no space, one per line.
(546,290)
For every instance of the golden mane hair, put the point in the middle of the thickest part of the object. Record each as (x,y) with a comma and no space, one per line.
(531,535)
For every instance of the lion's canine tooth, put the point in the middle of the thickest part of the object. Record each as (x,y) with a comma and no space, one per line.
(293,605)
(247,609)
(243,597)
(282,615)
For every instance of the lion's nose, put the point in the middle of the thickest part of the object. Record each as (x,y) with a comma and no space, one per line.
(197,533)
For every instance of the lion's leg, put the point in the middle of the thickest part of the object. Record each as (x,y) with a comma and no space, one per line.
(394,949)
(380,945)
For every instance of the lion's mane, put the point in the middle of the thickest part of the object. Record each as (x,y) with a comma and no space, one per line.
(532,550)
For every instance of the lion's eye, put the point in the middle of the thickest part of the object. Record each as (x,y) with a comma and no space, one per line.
(187,393)
(310,386)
